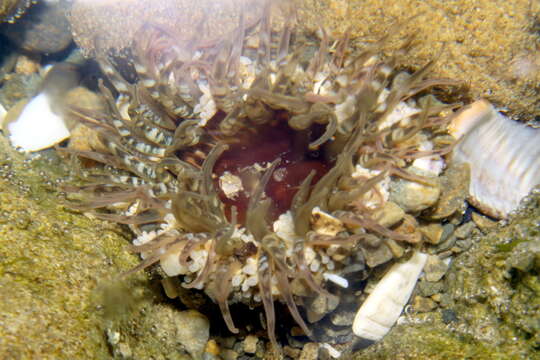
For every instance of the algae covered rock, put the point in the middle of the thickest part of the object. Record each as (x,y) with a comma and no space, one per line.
(61,296)
(489,303)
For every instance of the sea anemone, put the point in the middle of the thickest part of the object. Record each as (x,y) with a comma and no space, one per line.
(261,162)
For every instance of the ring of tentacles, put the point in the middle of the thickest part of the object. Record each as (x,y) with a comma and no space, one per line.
(218,154)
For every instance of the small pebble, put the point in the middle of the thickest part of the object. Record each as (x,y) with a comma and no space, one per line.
(483,222)
(435,268)
(250,344)
(212,347)
(310,352)
(432,233)
(228,354)
(291,352)
(428,288)
(423,304)
(464,230)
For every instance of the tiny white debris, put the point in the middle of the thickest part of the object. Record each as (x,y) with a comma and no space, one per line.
(37,127)
(251,266)
(231,185)
(206,107)
(383,306)
(433,165)
(336,279)
(401,113)
(332,351)
(284,227)
(346,109)
(113,337)
(237,280)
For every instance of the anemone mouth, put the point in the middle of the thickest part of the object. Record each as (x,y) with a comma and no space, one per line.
(252,150)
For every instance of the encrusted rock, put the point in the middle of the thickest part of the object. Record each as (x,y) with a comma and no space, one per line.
(525,256)
(82,137)
(27,65)
(464,230)
(43,30)
(193,331)
(435,268)
(319,306)
(432,232)
(250,344)
(483,222)
(342,318)
(115,23)
(428,288)
(389,215)
(454,191)
(18,87)
(310,352)
(413,197)
(376,255)
(423,304)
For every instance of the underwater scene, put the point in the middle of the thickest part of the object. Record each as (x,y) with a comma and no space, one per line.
(269,179)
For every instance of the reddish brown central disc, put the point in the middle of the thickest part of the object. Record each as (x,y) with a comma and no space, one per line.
(253,150)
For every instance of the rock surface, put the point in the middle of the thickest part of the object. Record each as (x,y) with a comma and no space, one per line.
(43,30)
(491,301)
(60,296)
(488,45)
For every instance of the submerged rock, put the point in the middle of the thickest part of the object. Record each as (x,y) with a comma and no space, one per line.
(493,293)
(43,30)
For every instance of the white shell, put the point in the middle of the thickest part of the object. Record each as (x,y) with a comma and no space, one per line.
(504,157)
(324,223)
(381,309)
(37,127)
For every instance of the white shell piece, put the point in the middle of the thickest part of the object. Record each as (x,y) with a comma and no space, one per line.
(332,351)
(432,165)
(383,306)
(171,264)
(37,127)
(372,199)
(402,111)
(324,223)
(504,157)
(336,279)
(231,185)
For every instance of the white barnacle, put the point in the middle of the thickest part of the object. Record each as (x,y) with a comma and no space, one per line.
(382,308)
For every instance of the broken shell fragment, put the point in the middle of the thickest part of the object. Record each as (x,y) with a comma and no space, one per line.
(503,156)
(383,306)
(324,223)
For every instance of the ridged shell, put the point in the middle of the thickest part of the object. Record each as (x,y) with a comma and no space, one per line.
(504,157)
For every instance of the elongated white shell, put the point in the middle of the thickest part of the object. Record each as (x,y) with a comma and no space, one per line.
(504,157)
(383,306)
